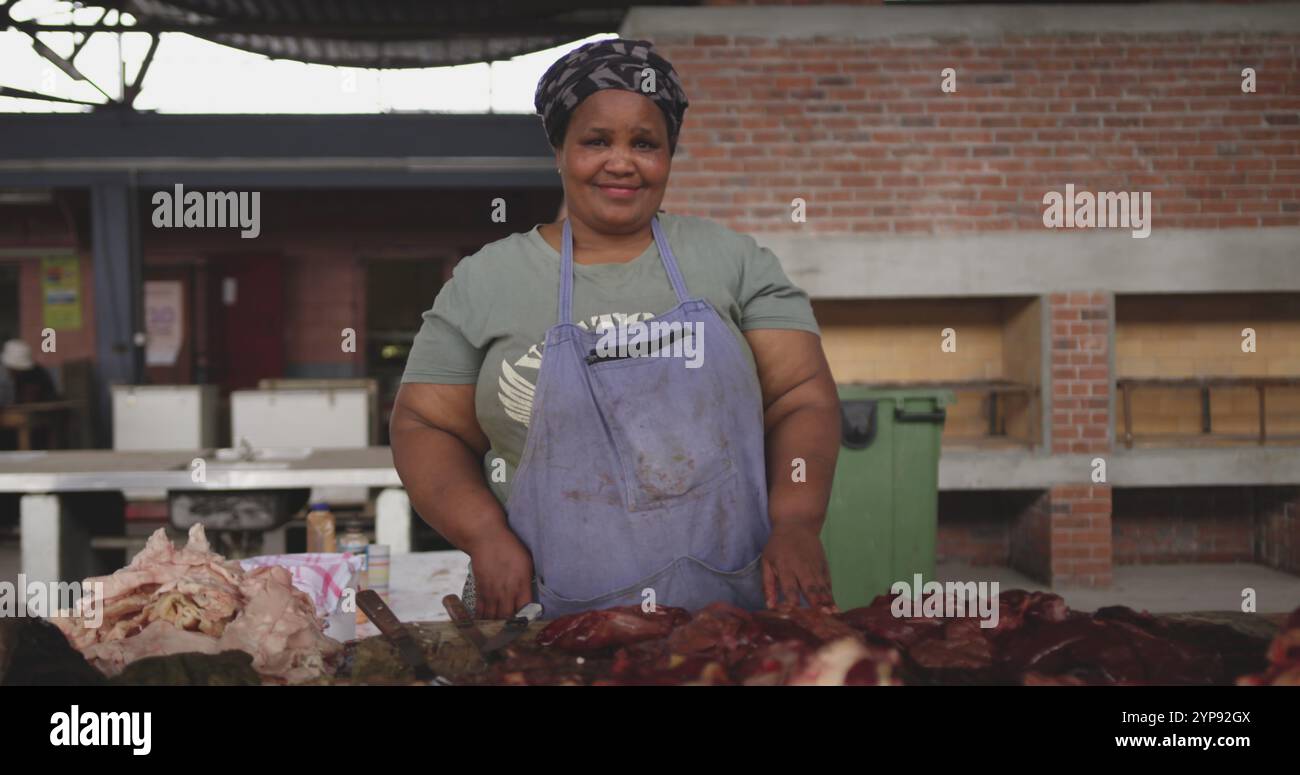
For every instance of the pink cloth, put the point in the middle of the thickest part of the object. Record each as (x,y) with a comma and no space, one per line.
(323,576)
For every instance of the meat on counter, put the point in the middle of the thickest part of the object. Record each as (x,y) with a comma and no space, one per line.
(171,601)
(1037,640)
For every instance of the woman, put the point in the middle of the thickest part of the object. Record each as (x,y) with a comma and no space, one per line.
(586,480)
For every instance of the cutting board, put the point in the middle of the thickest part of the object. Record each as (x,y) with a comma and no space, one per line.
(374,660)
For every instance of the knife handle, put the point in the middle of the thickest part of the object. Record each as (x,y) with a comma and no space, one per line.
(457,611)
(369,601)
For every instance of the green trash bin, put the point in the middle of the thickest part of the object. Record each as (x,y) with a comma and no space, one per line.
(881,522)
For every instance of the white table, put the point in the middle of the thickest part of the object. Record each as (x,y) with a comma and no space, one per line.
(55,543)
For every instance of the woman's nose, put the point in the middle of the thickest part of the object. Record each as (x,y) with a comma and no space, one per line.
(620,159)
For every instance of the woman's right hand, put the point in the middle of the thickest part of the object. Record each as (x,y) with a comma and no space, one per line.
(503,575)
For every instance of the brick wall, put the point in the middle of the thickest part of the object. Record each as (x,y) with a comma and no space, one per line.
(37,227)
(1081,535)
(1277,536)
(324,293)
(1063,536)
(977,527)
(1192,524)
(1080,364)
(1031,538)
(70,344)
(861,130)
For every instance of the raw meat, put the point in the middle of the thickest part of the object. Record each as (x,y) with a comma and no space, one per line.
(878,623)
(1037,641)
(714,630)
(1108,651)
(962,646)
(719,644)
(1283,658)
(771,664)
(171,601)
(594,631)
(837,661)
(802,624)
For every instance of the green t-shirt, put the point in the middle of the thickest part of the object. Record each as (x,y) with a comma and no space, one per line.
(488,324)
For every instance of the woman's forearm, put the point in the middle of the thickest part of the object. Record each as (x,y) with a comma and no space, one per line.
(444,480)
(806,427)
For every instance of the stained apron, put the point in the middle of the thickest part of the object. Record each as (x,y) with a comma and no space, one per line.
(639,473)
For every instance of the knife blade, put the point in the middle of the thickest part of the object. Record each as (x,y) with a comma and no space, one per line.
(512,629)
(392,628)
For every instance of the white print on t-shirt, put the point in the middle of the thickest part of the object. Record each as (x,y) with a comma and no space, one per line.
(518,381)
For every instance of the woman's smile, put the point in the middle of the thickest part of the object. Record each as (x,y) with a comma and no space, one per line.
(619,192)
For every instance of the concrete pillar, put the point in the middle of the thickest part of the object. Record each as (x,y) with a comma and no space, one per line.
(118,292)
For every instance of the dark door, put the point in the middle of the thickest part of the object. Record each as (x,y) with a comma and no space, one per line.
(246,335)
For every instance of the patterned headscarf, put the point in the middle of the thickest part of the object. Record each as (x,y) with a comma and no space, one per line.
(608,64)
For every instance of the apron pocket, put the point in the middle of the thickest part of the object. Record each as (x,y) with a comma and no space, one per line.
(742,588)
(554,604)
(686,583)
(668,424)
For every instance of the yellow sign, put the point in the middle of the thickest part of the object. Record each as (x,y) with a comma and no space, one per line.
(61,292)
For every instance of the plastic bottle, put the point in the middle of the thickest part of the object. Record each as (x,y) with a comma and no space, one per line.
(320,529)
(377,559)
(353,541)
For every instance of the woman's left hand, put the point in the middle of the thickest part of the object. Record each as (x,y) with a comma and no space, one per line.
(794,561)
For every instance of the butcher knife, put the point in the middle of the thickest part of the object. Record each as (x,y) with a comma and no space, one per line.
(464,623)
(489,648)
(513,628)
(410,652)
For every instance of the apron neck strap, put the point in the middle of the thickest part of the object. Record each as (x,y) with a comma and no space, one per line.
(566,268)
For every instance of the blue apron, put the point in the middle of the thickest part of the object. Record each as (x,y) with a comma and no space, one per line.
(639,472)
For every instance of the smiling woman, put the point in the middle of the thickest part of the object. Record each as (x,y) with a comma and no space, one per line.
(584,482)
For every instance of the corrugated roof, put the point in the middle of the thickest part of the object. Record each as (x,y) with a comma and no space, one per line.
(382,33)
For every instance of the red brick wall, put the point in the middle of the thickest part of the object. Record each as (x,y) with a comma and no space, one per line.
(70,344)
(1081,535)
(1278,532)
(40,227)
(1196,524)
(861,130)
(324,293)
(1080,362)
(1031,539)
(988,527)
(978,542)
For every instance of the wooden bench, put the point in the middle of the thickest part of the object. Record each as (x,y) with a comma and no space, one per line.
(997,391)
(1127,385)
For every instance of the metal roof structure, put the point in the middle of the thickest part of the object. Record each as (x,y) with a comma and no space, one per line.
(387,34)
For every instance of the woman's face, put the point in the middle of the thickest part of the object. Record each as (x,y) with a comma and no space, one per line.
(615,161)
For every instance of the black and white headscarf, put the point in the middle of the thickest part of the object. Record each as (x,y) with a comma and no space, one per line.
(608,64)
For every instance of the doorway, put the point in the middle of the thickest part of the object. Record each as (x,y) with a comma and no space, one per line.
(398,291)
(246,320)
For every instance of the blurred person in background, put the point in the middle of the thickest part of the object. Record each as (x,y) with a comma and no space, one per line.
(22,380)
